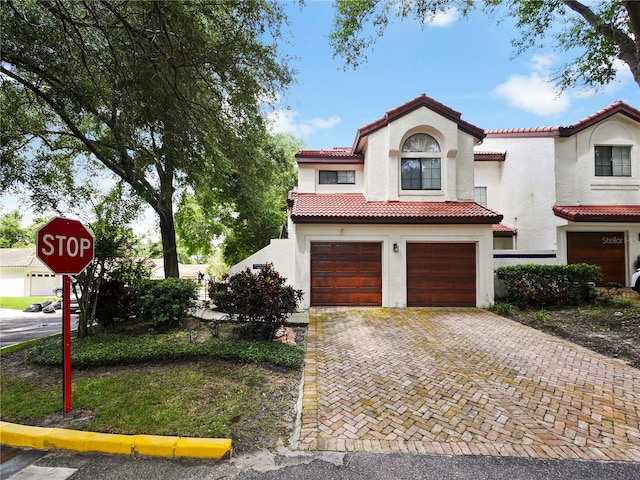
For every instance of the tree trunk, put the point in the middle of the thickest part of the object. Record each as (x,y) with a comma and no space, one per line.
(169,247)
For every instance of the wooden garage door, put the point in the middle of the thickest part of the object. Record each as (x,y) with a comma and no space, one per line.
(441,274)
(605,249)
(346,274)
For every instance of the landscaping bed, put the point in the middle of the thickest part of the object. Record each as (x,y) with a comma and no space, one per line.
(251,401)
(611,328)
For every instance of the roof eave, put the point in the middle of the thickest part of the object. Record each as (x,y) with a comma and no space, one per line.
(418,102)
(397,220)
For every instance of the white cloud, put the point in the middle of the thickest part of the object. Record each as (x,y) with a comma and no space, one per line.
(535,92)
(284,121)
(542,63)
(444,18)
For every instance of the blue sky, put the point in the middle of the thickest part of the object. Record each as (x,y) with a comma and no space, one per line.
(468,64)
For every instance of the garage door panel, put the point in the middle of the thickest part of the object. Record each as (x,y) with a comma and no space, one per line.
(605,249)
(441,274)
(346,274)
(320,248)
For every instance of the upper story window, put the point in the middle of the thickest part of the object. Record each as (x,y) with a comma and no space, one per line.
(332,177)
(613,161)
(481,196)
(421,164)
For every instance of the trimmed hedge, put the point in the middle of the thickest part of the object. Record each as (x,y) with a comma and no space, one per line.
(165,303)
(549,285)
(108,349)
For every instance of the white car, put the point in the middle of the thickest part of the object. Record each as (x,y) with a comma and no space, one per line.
(635,281)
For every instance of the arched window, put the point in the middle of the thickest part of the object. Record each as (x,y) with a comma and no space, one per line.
(421,164)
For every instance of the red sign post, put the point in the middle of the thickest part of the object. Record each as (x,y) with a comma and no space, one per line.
(66,247)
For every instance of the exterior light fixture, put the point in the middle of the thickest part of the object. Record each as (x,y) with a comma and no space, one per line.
(396,248)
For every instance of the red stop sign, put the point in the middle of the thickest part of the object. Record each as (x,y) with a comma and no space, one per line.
(65,246)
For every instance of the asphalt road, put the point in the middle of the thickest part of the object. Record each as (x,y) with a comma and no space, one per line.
(301,466)
(17,326)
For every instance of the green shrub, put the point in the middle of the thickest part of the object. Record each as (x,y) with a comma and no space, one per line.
(105,349)
(549,285)
(115,304)
(262,301)
(165,303)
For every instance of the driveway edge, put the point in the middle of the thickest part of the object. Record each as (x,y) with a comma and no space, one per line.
(41,438)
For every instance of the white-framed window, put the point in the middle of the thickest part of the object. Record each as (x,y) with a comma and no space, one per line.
(612,161)
(421,163)
(332,177)
(481,196)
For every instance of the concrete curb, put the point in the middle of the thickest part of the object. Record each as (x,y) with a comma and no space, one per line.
(89,442)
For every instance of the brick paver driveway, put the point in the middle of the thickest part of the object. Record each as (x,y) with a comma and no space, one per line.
(462,381)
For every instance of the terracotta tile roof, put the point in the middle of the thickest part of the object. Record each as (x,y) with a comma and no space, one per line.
(337,155)
(420,101)
(612,109)
(354,208)
(501,230)
(599,213)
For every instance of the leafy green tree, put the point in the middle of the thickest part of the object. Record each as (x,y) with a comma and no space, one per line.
(12,233)
(254,213)
(165,95)
(115,253)
(262,212)
(598,32)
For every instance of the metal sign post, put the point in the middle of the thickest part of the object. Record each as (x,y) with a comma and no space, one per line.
(66,343)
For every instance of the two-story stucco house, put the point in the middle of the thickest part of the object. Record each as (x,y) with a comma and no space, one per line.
(424,206)
(392,220)
(571,193)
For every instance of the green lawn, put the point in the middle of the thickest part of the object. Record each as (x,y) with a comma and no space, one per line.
(161,384)
(20,303)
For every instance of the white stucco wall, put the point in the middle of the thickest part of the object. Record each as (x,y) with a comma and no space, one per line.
(522,188)
(14,282)
(394,288)
(383,153)
(280,252)
(27,281)
(308,175)
(576,180)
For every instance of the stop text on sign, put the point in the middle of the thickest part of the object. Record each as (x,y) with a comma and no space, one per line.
(66,246)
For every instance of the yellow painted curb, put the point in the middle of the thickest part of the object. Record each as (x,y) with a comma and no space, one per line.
(202,447)
(61,439)
(109,443)
(153,445)
(21,436)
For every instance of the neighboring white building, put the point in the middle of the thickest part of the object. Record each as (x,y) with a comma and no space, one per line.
(411,214)
(22,274)
(572,193)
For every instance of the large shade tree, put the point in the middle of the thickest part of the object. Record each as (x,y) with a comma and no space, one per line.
(167,95)
(595,32)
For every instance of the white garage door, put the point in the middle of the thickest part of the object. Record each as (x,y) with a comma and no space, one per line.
(43,283)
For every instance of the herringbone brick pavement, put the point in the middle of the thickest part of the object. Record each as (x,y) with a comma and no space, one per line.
(462,382)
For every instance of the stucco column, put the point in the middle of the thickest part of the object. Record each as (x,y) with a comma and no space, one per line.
(393,185)
(450,187)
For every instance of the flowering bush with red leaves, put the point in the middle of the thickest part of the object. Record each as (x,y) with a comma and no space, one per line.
(262,299)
